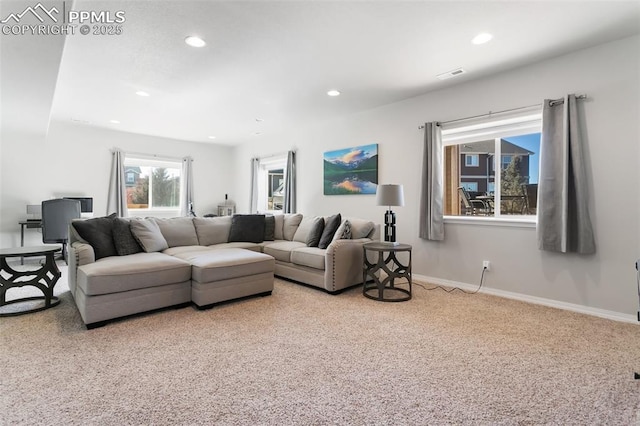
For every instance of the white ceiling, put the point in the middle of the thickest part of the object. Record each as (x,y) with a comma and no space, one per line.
(276,60)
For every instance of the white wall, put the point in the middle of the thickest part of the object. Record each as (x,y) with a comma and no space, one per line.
(608,74)
(76,160)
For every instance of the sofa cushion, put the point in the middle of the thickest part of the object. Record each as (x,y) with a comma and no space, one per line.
(360,228)
(212,230)
(290,226)
(247,228)
(278,234)
(173,251)
(313,239)
(178,231)
(281,250)
(123,238)
(330,227)
(269,227)
(148,234)
(305,226)
(345,231)
(312,257)
(227,264)
(98,232)
(123,273)
(240,244)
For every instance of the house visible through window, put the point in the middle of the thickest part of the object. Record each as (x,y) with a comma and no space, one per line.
(152,184)
(470,153)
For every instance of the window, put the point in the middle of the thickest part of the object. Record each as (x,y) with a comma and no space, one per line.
(471,160)
(152,184)
(471,148)
(470,186)
(271,173)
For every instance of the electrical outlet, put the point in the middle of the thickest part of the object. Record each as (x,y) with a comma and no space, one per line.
(486,265)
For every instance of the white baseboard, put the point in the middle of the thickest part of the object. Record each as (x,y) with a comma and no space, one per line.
(602,313)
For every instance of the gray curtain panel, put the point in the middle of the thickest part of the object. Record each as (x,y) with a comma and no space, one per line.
(253,201)
(117,196)
(432,190)
(563,216)
(186,188)
(290,184)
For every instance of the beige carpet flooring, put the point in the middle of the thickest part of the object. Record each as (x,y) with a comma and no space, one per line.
(303,357)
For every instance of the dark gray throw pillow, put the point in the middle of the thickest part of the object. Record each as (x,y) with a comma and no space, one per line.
(330,228)
(269,228)
(98,232)
(247,228)
(315,233)
(123,238)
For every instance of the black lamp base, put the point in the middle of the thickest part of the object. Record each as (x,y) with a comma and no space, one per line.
(390,226)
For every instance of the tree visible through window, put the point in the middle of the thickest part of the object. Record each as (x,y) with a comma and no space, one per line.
(156,184)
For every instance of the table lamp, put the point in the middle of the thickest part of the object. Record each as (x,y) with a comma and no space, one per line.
(390,195)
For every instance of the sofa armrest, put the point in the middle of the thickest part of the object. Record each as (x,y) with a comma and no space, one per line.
(79,254)
(344,259)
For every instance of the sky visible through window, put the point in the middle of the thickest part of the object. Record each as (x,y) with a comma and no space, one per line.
(530,142)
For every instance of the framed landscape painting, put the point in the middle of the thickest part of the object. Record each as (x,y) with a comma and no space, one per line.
(351,170)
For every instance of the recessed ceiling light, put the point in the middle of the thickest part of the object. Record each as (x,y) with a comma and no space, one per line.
(482,38)
(257,133)
(212,137)
(259,120)
(195,41)
(142,93)
(333,93)
(114,121)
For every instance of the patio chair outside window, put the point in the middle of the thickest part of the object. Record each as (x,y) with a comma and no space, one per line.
(472,206)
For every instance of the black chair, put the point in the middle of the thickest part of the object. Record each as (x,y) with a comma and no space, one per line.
(530,192)
(56,217)
(472,206)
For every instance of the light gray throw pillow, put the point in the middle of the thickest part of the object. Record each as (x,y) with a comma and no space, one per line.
(148,234)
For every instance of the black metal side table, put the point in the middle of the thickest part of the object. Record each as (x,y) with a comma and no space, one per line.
(392,267)
(44,278)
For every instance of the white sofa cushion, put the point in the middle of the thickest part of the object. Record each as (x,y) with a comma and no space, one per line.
(312,257)
(302,233)
(212,230)
(148,234)
(360,228)
(281,250)
(290,226)
(178,231)
(124,273)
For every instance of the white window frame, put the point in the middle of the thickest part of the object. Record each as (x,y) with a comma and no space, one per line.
(495,126)
(266,165)
(475,160)
(155,162)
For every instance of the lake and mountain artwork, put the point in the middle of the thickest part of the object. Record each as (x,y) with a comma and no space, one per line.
(351,170)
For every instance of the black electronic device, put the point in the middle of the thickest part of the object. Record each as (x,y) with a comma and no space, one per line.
(86,203)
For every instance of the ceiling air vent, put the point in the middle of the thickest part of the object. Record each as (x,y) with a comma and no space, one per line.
(450,74)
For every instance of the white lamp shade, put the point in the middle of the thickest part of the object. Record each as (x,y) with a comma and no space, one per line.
(390,195)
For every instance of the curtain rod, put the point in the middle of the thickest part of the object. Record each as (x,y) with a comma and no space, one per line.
(282,154)
(150,156)
(552,102)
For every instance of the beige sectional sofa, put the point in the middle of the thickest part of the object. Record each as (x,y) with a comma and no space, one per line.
(203,261)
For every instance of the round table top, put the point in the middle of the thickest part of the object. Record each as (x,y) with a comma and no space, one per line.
(386,246)
(28,251)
